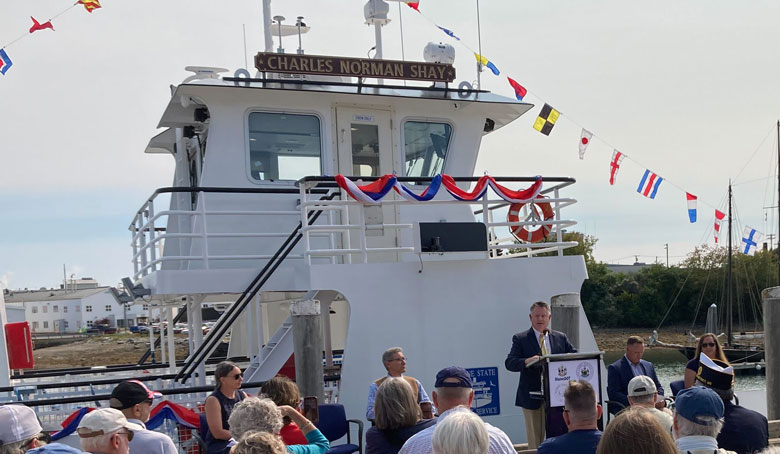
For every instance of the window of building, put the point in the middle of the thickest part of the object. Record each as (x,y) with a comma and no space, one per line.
(35,325)
(56,308)
(284,146)
(45,324)
(88,308)
(65,323)
(34,309)
(146,307)
(45,309)
(89,323)
(425,147)
(65,309)
(108,308)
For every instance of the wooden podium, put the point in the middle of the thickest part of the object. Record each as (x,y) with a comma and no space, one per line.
(557,371)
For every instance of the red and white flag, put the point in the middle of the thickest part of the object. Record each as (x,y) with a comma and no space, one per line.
(584,142)
(614,165)
(719,215)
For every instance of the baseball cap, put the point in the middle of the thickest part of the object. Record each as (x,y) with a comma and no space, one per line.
(462,375)
(641,385)
(698,401)
(17,423)
(129,393)
(104,421)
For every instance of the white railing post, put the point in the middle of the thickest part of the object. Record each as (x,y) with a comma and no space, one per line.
(305,224)
(152,243)
(345,221)
(558,230)
(363,241)
(204,235)
(485,218)
(134,244)
(142,242)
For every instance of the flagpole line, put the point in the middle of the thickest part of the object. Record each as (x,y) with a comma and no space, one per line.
(28,34)
(63,11)
(771,130)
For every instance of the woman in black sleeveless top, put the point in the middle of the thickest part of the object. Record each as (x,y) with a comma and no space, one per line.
(219,404)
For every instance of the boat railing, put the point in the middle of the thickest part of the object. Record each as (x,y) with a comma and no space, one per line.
(351,227)
(149,232)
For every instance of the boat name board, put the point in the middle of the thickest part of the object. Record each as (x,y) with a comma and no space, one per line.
(353,67)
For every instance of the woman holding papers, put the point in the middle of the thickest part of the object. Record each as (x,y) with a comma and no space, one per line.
(709,345)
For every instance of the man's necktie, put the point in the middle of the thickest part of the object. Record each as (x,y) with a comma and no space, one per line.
(541,342)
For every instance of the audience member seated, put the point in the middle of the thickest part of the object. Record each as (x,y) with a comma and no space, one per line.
(395,364)
(709,345)
(744,431)
(642,393)
(581,414)
(262,415)
(452,389)
(134,400)
(463,432)
(623,370)
(106,431)
(397,417)
(284,391)
(636,431)
(220,403)
(259,443)
(698,413)
(20,432)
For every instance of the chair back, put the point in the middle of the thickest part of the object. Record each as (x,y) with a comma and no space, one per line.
(204,427)
(676,386)
(333,421)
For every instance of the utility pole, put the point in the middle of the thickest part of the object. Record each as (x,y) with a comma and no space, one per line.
(728,300)
(666,245)
(778,200)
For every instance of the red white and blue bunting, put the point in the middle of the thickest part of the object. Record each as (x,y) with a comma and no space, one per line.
(374,192)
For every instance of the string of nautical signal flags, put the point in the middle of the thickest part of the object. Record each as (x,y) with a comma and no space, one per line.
(650,183)
(5,60)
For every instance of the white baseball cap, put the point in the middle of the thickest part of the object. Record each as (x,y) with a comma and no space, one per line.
(18,423)
(641,385)
(104,421)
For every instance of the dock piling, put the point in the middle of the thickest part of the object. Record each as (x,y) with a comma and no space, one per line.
(307,344)
(771,302)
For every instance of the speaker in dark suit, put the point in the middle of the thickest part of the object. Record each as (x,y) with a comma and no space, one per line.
(527,346)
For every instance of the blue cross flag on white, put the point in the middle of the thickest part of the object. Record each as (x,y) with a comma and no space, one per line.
(750,239)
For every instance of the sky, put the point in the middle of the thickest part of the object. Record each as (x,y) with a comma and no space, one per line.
(688,89)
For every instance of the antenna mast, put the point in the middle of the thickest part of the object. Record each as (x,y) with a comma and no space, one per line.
(269,39)
(728,300)
(778,201)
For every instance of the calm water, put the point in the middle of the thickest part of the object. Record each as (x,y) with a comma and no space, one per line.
(670,366)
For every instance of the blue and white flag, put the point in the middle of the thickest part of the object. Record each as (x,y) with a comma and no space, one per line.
(648,187)
(750,239)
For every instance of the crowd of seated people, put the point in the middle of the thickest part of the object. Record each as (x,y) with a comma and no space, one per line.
(704,420)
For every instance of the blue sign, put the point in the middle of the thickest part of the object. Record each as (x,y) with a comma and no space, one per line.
(485,383)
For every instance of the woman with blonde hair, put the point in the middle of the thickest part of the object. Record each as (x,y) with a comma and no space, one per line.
(397,417)
(636,431)
(709,345)
(259,443)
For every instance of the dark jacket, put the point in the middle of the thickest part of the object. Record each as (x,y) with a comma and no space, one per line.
(619,374)
(744,431)
(390,441)
(524,346)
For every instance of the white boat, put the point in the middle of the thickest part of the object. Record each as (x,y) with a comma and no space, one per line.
(253,153)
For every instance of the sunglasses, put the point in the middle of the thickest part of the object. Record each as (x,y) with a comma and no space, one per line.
(708,344)
(237,376)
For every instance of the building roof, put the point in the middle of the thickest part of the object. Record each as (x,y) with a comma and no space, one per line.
(23,296)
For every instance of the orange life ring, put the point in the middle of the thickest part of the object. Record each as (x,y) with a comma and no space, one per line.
(521,232)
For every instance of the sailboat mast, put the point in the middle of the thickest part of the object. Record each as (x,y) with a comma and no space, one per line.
(778,202)
(728,300)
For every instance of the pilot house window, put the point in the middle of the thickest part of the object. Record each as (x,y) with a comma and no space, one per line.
(425,147)
(284,146)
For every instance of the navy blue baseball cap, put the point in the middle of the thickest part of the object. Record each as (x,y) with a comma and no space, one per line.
(698,401)
(462,375)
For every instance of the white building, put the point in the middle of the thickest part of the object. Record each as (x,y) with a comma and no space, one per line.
(68,310)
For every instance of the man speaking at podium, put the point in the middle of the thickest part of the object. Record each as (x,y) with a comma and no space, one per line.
(527,347)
